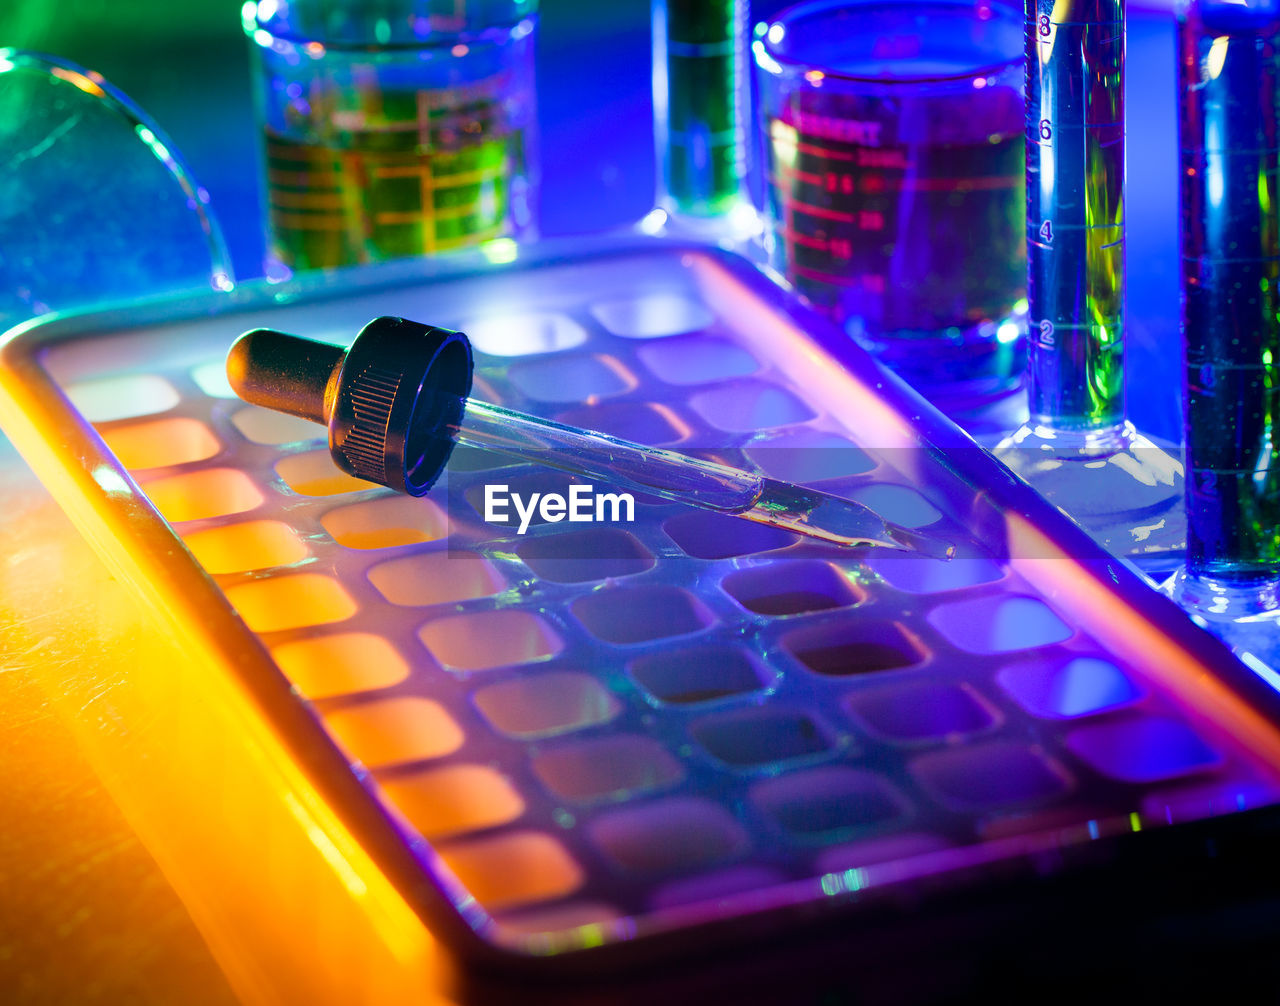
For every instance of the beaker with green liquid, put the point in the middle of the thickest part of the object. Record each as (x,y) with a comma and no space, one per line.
(393,128)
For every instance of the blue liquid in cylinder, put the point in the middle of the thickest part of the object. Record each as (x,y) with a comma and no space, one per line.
(1229,84)
(1075,211)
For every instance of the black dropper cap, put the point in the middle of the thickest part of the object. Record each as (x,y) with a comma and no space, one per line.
(389,399)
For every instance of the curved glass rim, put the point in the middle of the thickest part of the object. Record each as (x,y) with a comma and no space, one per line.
(261,30)
(766,52)
(149,133)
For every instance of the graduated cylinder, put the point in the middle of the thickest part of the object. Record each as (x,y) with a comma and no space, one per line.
(1075,211)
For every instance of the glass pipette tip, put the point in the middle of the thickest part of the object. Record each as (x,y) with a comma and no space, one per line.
(397,400)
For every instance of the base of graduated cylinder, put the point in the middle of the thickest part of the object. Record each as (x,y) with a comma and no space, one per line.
(1126,490)
(737,227)
(1245,616)
(1225,600)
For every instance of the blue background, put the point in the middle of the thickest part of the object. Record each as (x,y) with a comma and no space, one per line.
(188,65)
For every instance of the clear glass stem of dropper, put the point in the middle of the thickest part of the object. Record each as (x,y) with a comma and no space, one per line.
(681,477)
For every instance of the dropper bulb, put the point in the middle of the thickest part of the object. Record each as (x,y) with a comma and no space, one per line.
(389,400)
(283,372)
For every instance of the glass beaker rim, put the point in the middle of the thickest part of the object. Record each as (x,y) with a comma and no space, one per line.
(267,30)
(774,58)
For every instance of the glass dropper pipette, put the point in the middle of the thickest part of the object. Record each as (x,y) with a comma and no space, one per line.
(396,401)
(1078,449)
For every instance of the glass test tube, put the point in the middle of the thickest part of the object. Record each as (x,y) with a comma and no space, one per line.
(698,80)
(1229,139)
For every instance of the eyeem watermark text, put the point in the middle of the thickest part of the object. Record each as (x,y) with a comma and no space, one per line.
(582,505)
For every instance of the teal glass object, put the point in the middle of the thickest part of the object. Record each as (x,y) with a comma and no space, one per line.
(96,204)
(1229,71)
(699,52)
(1229,103)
